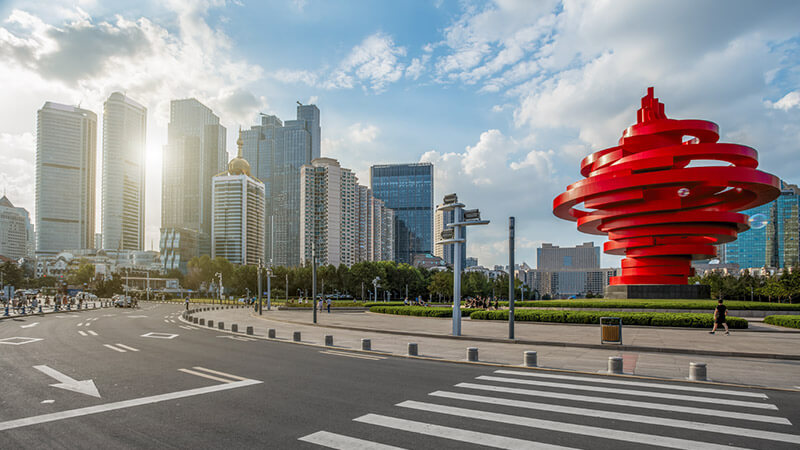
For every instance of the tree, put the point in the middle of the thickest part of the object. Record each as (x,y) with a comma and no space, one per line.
(441,284)
(84,274)
(12,274)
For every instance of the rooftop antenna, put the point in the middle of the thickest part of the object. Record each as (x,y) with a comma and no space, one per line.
(298,102)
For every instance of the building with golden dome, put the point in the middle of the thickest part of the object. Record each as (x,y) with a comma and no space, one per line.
(237,218)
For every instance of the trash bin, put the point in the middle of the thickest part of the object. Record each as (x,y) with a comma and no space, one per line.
(610,330)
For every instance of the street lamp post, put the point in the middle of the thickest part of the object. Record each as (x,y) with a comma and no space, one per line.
(260,312)
(511,276)
(452,234)
(269,289)
(375,285)
(314,279)
(219,289)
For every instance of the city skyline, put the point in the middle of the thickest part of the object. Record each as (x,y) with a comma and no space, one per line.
(526,93)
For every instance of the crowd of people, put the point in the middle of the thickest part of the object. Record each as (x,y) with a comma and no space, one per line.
(31,302)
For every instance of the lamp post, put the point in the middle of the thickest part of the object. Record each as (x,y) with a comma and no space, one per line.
(452,234)
(260,266)
(375,285)
(269,289)
(511,276)
(314,279)
(219,289)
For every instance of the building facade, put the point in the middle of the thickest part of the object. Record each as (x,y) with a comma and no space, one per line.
(195,152)
(237,226)
(277,150)
(407,189)
(776,244)
(584,256)
(16,232)
(124,132)
(66,150)
(447,252)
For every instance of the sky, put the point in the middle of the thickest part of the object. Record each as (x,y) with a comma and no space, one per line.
(504,97)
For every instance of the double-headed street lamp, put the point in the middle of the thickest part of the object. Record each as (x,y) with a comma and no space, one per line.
(219,290)
(375,285)
(452,234)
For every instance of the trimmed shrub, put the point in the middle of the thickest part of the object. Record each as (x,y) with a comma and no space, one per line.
(692,320)
(420,311)
(783,321)
(708,305)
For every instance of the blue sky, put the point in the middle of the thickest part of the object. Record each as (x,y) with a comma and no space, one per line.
(504,97)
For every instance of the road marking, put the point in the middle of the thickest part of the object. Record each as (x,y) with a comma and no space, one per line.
(48,401)
(165,320)
(160,335)
(216,372)
(82,387)
(632,383)
(92,333)
(549,425)
(127,348)
(605,414)
(82,333)
(80,324)
(19,340)
(337,441)
(114,348)
(135,317)
(455,434)
(52,417)
(351,355)
(210,377)
(186,327)
(236,338)
(631,403)
(29,326)
(580,387)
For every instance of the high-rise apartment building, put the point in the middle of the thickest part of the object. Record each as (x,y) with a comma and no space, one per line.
(194,153)
(15,231)
(237,226)
(584,256)
(277,150)
(407,189)
(124,130)
(447,252)
(66,150)
(341,217)
(775,243)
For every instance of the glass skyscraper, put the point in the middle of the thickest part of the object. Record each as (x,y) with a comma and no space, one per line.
(778,243)
(408,190)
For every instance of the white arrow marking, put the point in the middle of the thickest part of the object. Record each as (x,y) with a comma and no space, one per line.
(83,387)
(29,326)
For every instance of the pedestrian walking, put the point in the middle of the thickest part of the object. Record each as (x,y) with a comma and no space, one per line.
(187,302)
(320,305)
(329,306)
(720,315)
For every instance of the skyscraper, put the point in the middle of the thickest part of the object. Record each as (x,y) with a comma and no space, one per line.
(195,152)
(15,230)
(124,129)
(66,148)
(277,151)
(407,189)
(776,241)
(237,227)
(447,252)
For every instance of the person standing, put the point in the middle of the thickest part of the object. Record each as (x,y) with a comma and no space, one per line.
(329,305)
(187,302)
(720,315)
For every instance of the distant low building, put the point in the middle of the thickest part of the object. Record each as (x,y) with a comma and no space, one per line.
(470,262)
(428,261)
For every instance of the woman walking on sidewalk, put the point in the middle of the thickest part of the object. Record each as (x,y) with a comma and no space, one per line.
(720,313)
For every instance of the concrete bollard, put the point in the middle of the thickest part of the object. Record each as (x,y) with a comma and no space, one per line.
(472,353)
(614,364)
(413,349)
(194,319)
(329,340)
(211,324)
(235,328)
(296,336)
(221,325)
(697,371)
(249,330)
(271,333)
(202,321)
(366,344)
(530,359)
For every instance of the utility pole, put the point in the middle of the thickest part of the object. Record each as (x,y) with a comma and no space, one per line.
(269,288)
(314,279)
(287,287)
(511,277)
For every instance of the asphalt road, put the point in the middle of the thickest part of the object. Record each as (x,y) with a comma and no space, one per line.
(164,384)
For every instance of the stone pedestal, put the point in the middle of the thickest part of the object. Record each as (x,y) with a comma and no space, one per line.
(653,291)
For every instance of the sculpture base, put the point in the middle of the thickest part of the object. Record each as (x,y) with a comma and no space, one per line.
(654,291)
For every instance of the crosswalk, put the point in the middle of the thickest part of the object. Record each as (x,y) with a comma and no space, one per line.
(520,409)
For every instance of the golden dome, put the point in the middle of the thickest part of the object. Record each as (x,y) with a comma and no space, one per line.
(239,165)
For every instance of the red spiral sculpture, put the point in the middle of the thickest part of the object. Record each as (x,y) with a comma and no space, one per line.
(657,211)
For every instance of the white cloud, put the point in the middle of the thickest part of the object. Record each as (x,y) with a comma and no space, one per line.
(362,133)
(789,101)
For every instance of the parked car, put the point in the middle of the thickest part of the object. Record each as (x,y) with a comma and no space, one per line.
(123,302)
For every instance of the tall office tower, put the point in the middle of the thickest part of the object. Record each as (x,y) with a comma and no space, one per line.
(382,226)
(15,230)
(278,150)
(774,240)
(447,252)
(66,149)
(407,189)
(124,129)
(237,227)
(195,152)
(584,256)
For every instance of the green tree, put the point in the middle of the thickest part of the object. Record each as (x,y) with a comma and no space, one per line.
(83,274)
(441,284)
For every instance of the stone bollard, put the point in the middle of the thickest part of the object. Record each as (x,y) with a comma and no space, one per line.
(211,324)
(472,353)
(235,328)
(530,359)
(221,325)
(249,330)
(296,336)
(329,340)
(202,321)
(271,333)
(366,344)
(194,319)
(413,349)
(697,371)
(614,364)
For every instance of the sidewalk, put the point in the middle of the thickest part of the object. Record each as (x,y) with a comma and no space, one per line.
(390,334)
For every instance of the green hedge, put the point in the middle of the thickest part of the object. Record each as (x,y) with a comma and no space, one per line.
(783,321)
(693,320)
(708,305)
(421,311)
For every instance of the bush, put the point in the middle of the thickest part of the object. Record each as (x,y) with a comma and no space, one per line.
(783,321)
(708,305)
(420,311)
(693,320)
